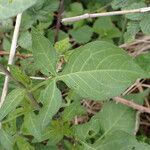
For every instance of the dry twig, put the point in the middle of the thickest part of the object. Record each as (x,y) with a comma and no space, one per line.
(11,56)
(131,104)
(94,15)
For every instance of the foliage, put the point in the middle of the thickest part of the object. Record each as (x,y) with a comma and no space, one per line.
(80,62)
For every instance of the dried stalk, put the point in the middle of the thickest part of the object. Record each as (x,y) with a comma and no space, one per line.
(131,104)
(11,56)
(94,15)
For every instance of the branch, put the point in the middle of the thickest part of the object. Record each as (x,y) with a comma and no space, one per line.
(34,78)
(11,56)
(24,56)
(58,24)
(94,15)
(132,105)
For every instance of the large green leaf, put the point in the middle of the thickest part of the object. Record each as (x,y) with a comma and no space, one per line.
(100,70)
(6,140)
(12,101)
(116,117)
(51,103)
(44,53)
(11,8)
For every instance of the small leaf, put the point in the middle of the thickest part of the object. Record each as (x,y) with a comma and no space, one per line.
(6,140)
(63,45)
(44,53)
(9,9)
(100,70)
(82,35)
(52,100)
(25,40)
(12,101)
(20,76)
(105,28)
(56,131)
(73,110)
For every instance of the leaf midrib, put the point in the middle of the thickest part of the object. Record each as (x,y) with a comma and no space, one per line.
(97,71)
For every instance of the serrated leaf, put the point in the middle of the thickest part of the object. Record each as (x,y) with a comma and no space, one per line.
(44,54)
(51,103)
(9,9)
(6,140)
(12,101)
(100,70)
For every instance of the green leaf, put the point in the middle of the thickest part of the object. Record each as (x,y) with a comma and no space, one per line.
(52,100)
(56,131)
(144,61)
(100,70)
(9,9)
(22,143)
(116,4)
(136,16)
(116,117)
(20,76)
(6,140)
(119,140)
(76,8)
(87,130)
(11,102)
(44,53)
(105,28)
(144,24)
(62,46)
(25,40)
(6,44)
(133,28)
(73,110)
(138,97)
(31,126)
(82,35)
